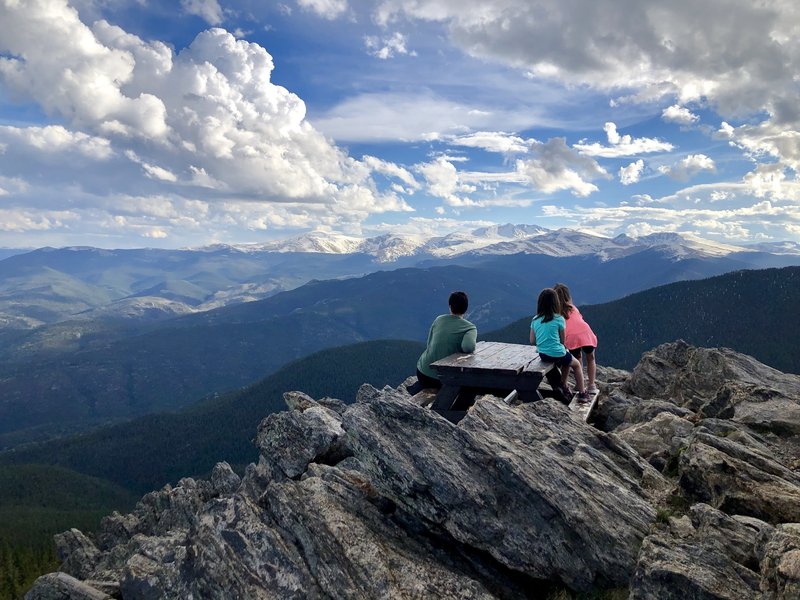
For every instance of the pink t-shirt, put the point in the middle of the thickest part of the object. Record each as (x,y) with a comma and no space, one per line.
(578,333)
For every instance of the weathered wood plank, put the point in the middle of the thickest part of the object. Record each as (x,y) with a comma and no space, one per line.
(504,358)
(538,365)
(583,410)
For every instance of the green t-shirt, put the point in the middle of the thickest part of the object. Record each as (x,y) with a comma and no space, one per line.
(448,334)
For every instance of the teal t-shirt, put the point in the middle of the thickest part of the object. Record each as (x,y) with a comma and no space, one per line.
(447,335)
(548,337)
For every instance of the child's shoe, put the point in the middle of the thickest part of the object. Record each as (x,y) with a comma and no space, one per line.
(592,389)
(583,397)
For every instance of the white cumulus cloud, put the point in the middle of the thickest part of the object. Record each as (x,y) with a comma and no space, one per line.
(680,115)
(622,145)
(631,173)
(205,124)
(443,182)
(387,47)
(688,167)
(492,141)
(557,167)
(736,57)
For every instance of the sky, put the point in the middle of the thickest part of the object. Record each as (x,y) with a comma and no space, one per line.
(132,123)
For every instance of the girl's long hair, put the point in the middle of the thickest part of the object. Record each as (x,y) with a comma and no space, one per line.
(564,298)
(547,306)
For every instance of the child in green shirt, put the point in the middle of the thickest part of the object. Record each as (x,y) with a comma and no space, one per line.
(448,334)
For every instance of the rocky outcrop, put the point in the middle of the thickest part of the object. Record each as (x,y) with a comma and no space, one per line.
(685,488)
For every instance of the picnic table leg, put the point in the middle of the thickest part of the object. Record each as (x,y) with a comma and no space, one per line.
(445,398)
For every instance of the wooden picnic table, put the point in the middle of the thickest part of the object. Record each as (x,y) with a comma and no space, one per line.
(494,368)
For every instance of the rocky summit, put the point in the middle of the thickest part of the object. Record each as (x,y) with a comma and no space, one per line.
(687,485)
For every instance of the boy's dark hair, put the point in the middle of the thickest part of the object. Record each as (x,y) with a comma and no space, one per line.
(458,302)
(548,306)
(564,298)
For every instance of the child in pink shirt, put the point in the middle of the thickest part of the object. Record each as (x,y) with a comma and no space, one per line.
(579,336)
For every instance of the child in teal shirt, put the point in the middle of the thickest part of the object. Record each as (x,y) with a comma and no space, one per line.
(548,329)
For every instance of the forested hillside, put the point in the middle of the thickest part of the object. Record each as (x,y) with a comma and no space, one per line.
(148,452)
(754,312)
(38,501)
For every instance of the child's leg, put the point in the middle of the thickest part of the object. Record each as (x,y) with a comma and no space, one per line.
(576,353)
(576,366)
(565,375)
(591,367)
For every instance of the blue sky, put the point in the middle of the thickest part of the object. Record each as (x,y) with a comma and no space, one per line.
(129,123)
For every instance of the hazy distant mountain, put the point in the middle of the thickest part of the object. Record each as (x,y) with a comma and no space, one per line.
(50,285)
(68,373)
(6,252)
(789,248)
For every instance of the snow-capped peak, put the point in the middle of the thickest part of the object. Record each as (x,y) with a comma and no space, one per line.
(500,239)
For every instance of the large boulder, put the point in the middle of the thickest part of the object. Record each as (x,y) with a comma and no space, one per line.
(738,480)
(707,555)
(718,382)
(660,439)
(540,492)
(291,440)
(710,555)
(60,586)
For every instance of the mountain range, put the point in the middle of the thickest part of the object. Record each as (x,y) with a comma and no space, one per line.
(50,285)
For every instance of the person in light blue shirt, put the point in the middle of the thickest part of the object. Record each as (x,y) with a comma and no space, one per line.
(548,330)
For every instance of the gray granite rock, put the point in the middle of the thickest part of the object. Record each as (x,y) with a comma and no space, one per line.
(224,480)
(619,410)
(719,382)
(695,560)
(739,480)
(709,554)
(293,439)
(78,554)
(385,498)
(780,566)
(510,481)
(60,586)
(351,547)
(660,439)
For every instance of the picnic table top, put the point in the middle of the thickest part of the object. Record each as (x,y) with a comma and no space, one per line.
(496,357)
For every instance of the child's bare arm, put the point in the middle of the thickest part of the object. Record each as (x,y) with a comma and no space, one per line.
(533,338)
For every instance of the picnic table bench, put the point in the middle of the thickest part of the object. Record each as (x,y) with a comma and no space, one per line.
(494,368)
